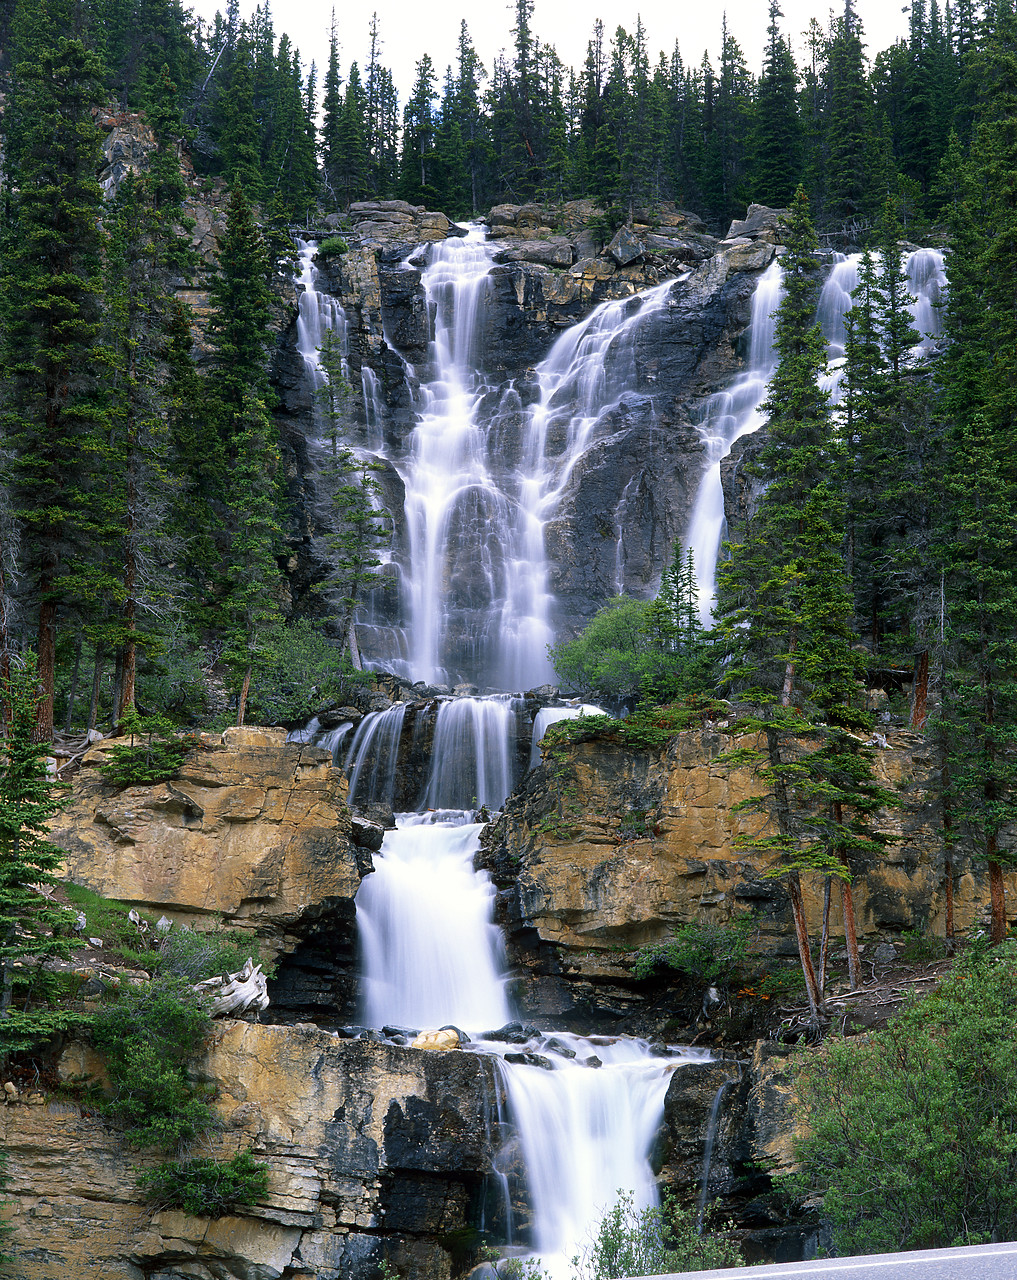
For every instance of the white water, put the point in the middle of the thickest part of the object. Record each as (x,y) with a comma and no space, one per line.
(317,313)
(548,716)
(471,760)
(373,755)
(734,412)
(430,952)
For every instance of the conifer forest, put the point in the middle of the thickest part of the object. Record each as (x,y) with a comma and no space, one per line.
(147,517)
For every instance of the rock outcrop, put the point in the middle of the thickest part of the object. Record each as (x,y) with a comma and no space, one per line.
(374,1152)
(252,832)
(606,854)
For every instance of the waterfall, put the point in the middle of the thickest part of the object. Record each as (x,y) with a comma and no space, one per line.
(471,760)
(430,952)
(373,756)
(735,412)
(317,313)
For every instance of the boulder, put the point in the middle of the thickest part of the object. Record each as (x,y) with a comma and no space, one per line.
(626,247)
(760,222)
(447,1038)
(551,253)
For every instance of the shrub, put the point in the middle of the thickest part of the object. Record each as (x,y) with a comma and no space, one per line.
(186,953)
(648,1242)
(154,754)
(207,1188)
(301,673)
(333,245)
(708,952)
(613,653)
(912,1132)
(147,1034)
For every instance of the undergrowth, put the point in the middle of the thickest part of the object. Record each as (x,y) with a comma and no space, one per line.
(207,1188)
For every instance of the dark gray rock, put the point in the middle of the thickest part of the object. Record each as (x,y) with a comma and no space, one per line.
(626,247)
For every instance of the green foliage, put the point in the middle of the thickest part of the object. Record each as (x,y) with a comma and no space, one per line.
(646,1242)
(301,672)
(649,728)
(332,246)
(194,955)
(29,798)
(156,755)
(911,1131)
(610,656)
(207,1188)
(148,1033)
(108,919)
(921,946)
(707,951)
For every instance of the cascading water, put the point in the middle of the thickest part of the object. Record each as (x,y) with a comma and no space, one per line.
(477,604)
(735,412)
(548,716)
(317,314)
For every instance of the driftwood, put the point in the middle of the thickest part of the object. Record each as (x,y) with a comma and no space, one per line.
(236,993)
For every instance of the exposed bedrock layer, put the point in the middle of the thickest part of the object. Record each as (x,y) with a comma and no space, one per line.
(607,852)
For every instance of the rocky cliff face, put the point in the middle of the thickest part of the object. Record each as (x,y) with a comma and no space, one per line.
(634,489)
(608,851)
(375,1153)
(251,831)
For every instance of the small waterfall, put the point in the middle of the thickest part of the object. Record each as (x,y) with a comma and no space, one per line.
(548,716)
(430,952)
(586,1133)
(317,313)
(471,760)
(711,1137)
(373,755)
(734,412)
(727,416)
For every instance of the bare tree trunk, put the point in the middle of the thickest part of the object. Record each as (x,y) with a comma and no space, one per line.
(824,945)
(355,648)
(847,904)
(97,665)
(245,689)
(73,691)
(47,663)
(794,890)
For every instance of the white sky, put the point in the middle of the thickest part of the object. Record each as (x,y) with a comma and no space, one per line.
(410,28)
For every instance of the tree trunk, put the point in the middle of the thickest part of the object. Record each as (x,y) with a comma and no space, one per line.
(72,693)
(920,691)
(824,945)
(996,896)
(47,666)
(944,787)
(847,905)
(245,689)
(355,648)
(97,665)
(794,890)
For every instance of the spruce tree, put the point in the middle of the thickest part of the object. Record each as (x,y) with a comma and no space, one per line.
(29,798)
(787,611)
(51,296)
(776,145)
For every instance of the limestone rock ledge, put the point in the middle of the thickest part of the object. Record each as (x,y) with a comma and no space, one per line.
(606,859)
(375,1152)
(251,831)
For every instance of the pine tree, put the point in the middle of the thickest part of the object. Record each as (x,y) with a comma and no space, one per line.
(51,316)
(786,613)
(776,146)
(29,922)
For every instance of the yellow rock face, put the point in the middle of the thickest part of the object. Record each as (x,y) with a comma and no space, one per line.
(252,829)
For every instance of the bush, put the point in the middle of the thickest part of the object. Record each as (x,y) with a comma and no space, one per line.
(613,655)
(154,754)
(333,245)
(186,953)
(710,953)
(207,1188)
(913,1131)
(147,1034)
(302,673)
(648,1242)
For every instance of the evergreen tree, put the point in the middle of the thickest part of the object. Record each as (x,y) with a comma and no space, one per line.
(51,315)
(787,611)
(417,159)
(240,140)
(776,148)
(29,922)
